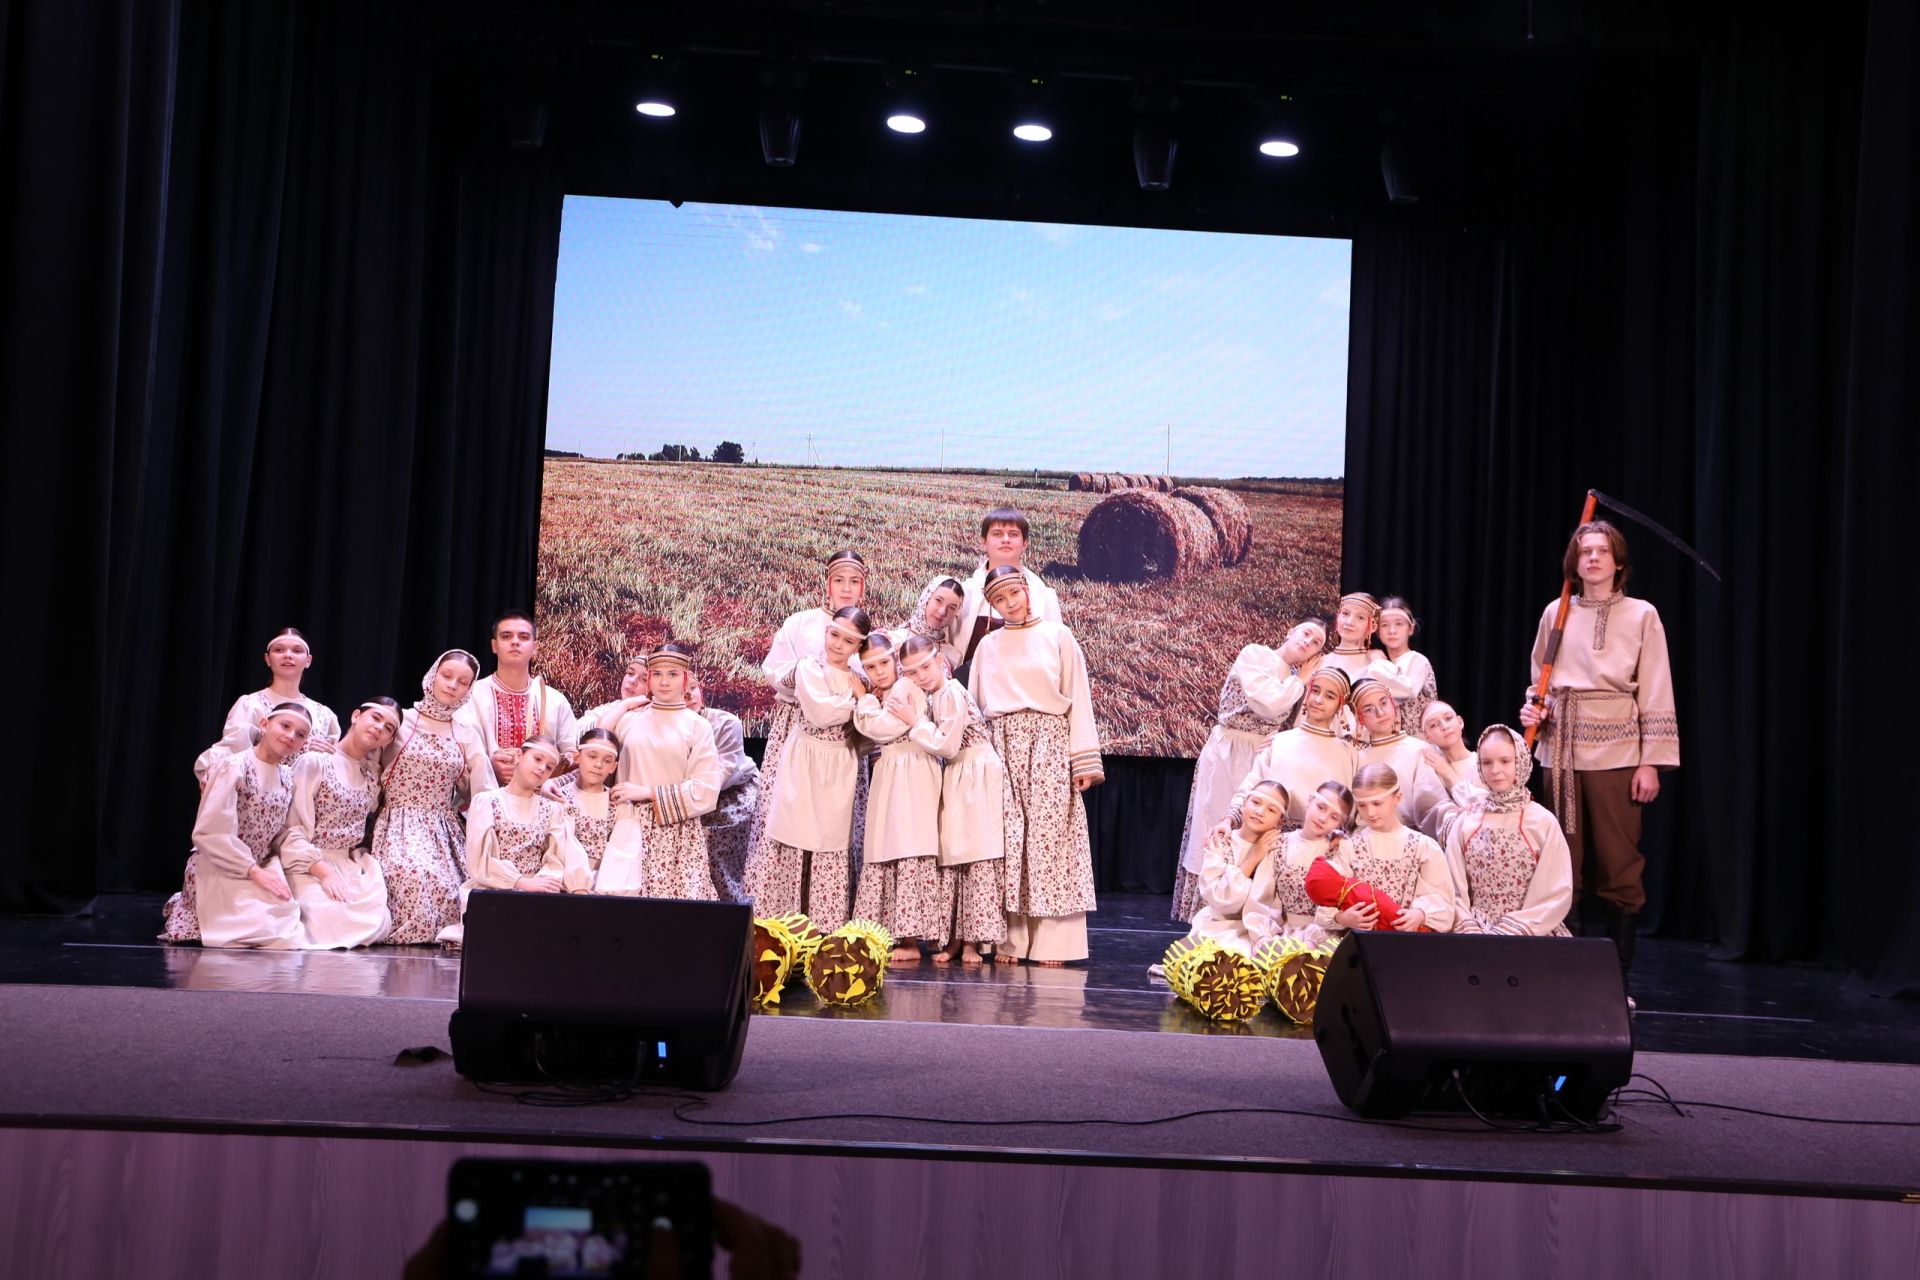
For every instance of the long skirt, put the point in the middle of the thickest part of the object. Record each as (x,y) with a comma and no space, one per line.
(180,918)
(973,797)
(728,827)
(819,884)
(1221,766)
(362,919)
(779,728)
(675,864)
(1049,859)
(975,894)
(421,854)
(222,911)
(904,897)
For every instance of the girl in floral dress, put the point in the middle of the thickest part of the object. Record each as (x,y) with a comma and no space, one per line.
(1406,672)
(1277,905)
(1230,862)
(669,778)
(1029,680)
(1511,869)
(806,862)
(287,658)
(518,837)
(589,799)
(234,893)
(900,872)
(336,882)
(802,635)
(431,767)
(1394,858)
(973,834)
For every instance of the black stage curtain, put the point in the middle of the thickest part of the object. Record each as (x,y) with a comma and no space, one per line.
(276,334)
(325,408)
(83,117)
(1707,311)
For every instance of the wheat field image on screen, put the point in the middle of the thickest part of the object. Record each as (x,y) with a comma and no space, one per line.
(632,553)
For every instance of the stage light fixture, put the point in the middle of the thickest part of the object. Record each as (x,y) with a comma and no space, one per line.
(655,93)
(524,107)
(781,84)
(1399,171)
(1156,144)
(1033,112)
(907,87)
(779,136)
(1279,131)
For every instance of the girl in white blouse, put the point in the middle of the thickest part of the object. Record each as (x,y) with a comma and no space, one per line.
(805,862)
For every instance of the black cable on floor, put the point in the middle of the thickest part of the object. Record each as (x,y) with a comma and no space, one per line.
(682,1113)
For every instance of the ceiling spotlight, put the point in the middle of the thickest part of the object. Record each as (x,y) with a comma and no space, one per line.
(906,101)
(657,85)
(1155,142)
(1034,112)
(1279,147)
(782,81)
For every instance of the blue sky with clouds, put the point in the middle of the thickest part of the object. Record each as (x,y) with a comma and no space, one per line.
(884,336)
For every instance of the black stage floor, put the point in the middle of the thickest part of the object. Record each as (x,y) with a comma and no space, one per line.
(1689,1003)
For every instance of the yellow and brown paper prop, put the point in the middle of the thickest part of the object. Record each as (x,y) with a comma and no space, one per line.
(849,964)
(1294,972)
(1218,981)
(775,951)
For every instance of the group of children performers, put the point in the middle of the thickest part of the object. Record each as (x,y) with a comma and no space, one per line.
(1347,754)
(948,812)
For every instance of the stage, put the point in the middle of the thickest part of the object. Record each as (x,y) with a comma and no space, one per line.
(947,1106)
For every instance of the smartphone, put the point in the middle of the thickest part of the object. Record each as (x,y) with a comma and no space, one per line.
(575,1218)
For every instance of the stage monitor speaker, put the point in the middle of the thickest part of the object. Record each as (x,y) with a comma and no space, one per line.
(576,988)
(1536,1028)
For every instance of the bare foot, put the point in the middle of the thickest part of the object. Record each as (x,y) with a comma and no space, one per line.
(943,957)
(908,953)
(972,956)
(1049,964)
(1005,957)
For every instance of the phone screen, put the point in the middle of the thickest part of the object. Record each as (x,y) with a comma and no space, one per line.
(565,1218)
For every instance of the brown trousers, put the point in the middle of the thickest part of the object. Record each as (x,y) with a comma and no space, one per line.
(1609,825)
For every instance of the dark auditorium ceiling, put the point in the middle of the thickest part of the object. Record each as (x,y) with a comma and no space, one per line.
(1468,97)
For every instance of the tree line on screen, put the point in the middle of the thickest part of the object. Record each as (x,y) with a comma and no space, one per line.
(729,451)
(725,451)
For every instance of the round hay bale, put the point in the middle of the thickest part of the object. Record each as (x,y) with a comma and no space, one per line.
(1105,483)
(1081,482)
(1164,484)
(1137,534)
(1137,481)
(1228,516)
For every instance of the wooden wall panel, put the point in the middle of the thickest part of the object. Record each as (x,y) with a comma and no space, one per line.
(105,1203)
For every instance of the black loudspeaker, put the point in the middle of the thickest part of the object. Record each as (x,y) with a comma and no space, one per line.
(572,988)
(1536,1028)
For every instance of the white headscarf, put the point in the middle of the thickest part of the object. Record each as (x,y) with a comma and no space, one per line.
(1516,797)
(918,624)
(430,705)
